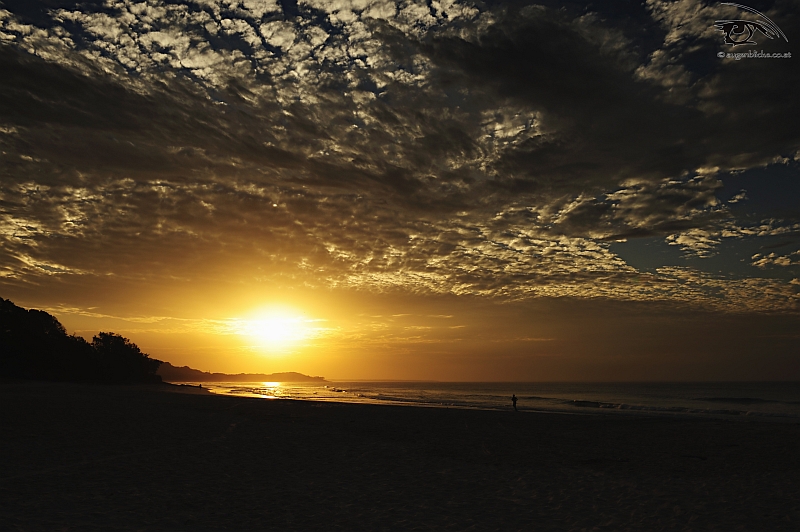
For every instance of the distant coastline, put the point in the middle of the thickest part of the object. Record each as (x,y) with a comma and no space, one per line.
(170,373)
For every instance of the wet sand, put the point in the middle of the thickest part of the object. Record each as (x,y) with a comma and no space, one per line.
(78,458)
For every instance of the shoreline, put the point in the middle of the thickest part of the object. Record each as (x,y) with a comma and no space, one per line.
(131,458)
(601,409)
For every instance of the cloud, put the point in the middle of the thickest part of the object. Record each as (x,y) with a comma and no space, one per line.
(774,259)
(433,148)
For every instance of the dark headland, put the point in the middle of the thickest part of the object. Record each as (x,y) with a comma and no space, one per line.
(171,373)
(35,346)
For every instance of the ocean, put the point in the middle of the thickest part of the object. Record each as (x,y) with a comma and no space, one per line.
(778,401)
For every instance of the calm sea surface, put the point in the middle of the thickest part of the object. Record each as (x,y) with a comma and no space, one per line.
(777,401)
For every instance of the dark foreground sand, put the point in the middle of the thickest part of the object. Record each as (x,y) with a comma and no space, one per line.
(114,458)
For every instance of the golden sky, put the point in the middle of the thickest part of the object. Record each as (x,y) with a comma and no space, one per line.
(407,190)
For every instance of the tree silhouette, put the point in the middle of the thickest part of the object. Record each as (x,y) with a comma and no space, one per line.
(122,361)
(34,345)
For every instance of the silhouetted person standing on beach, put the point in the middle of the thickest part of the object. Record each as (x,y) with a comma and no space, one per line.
(514,401)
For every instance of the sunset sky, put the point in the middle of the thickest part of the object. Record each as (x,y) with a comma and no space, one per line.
(447,190)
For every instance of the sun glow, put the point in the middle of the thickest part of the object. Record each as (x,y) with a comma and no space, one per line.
(276,330)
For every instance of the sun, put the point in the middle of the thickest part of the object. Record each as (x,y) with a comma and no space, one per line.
(276,330)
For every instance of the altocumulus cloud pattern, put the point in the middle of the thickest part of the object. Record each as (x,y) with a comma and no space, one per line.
(494,149)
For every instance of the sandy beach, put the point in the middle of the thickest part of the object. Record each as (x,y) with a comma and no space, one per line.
(80,457)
